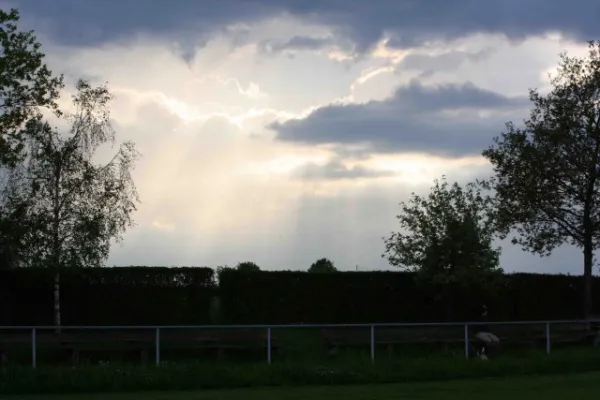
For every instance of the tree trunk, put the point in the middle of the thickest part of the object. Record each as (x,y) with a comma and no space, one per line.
(588,261)
(57,301)
(56,246)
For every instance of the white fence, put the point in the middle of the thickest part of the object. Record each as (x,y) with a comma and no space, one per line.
(268,328)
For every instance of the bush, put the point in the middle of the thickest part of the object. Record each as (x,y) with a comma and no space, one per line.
(322,265)
(247,266)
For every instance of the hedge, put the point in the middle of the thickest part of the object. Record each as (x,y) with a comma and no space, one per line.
(280,297)
(108,296)
(183,296)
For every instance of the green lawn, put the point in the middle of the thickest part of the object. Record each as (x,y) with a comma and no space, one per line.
(577,386)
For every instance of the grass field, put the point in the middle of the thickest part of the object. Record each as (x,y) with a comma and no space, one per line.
(115,378)
(578,386)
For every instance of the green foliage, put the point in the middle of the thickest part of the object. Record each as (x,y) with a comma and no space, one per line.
(547,174)
(322,265)
(108,296)
(219,271)
(211,375)
(74,207)
(15,226)
(284,297)
(281,297)
(77,205)
(247,266)
(26,84)
(187,296)
(446,239)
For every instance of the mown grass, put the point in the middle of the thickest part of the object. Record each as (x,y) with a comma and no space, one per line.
(576,386)
(340,371)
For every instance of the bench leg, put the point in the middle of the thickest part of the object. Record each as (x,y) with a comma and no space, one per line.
(3,357)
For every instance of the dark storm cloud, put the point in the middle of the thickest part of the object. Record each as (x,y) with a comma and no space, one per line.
(415,97)
(440,119)
(409,22)
(336,170)
(95,21)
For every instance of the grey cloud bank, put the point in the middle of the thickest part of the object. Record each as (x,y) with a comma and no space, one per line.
(440,120)
(408,22)
(336,170)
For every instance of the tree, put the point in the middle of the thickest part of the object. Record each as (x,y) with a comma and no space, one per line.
(446,240)
(322,265)
(547,173)
(76,205)
(247,266)
(26,84)
(15,224)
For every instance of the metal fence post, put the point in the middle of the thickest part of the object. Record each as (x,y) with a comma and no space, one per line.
(33,349)
(467,341)
(269,345)
(157,346)
(547,337)
(372,343)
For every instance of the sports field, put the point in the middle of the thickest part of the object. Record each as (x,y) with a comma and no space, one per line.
(575,386)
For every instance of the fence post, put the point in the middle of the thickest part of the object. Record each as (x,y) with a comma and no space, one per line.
(547,337)
(33,348)
(157,346)
(467,341)
(372,343)
(269,345)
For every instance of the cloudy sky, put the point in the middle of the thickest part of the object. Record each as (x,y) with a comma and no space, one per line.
(282,131)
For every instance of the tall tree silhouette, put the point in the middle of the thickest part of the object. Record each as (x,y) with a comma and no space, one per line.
(547,173)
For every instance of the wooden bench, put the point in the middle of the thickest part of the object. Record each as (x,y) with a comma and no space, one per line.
(535,335)
(82,341)
(388,337)
(140,342)
(516,334)
(584,334)
(219,340)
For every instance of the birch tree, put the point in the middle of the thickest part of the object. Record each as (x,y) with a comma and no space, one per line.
(77,205)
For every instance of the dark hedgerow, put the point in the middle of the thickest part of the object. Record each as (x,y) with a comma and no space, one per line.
(108,296)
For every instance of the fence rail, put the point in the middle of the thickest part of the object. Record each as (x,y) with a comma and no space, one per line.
(158,328)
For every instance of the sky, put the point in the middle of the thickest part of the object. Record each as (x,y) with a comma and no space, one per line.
(284,131)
